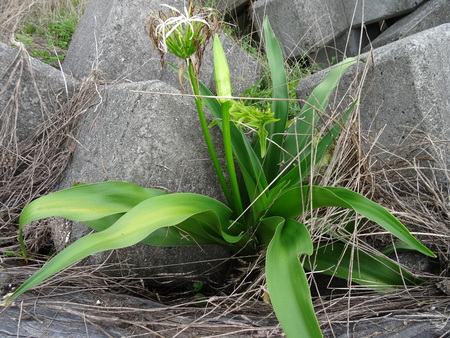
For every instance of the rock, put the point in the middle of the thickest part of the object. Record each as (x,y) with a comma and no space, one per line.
(326,29)
(56,312)
(229,6)
(345,45)
(31,91)
(406,88)
(302,26)
(106,314)
(154,141)
(111,37)
(417,262)
(431,14)
(368,12)
(411,325)
(60,317)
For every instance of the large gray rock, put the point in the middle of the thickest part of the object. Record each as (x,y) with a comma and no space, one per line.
(407,87)
(431,14)
(302,26)
(93,311)
(154,141)
(228,6)
(411,324)
(30,91)
(310,26)
(349,43)
(111,37)
(149,139)
(367,12)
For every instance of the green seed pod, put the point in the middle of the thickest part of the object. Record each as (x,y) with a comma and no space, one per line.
(221,70)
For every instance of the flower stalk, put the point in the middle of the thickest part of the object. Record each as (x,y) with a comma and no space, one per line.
(185,35)
(223,87)
(207,136)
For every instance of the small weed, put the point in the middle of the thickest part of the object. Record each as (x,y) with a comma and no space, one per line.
(47,36)
(26,39)
(47,57)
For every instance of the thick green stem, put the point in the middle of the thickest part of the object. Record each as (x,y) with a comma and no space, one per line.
(229,157)
(204,125)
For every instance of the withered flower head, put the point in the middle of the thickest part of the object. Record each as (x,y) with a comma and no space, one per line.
(182,34)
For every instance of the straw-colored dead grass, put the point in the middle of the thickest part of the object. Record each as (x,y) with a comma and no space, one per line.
(13,13)
(32,167)
(415,188)
(239,307)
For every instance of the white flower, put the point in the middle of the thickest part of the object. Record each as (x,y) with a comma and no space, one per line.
(182,34)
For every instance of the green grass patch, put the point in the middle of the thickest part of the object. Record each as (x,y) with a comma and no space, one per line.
(47,35)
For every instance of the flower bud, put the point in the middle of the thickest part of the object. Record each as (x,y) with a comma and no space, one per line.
(221,70)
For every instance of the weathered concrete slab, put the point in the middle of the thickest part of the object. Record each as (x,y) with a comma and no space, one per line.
(325,28)
(81,312)
(104,314)
(30,91)
(148,139)
(345,45)
(111,37)
(302,26)
(228,6)
(154,141)
(414,324)
(431,14)
(367,12)
(407,87)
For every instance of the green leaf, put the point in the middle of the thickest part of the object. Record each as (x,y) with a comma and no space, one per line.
(86,202)
(296,174)
(294,201)
(300,133)
(286,280)
(380,215)
(133,227)
(279,107)
(377,272)
(266,229)
(247,159)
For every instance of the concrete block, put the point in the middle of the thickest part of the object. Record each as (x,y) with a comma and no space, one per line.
(154,141)
(302,26)
(407,87)
(350,43)
(367,12)
(347,44)
(30,91)
(229,6)
(148,139)
(431,14)
(111,37)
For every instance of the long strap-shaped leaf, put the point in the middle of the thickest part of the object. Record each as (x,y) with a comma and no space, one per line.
(305,162)
(378,272)
(286,280)
(279,107)
(247,159)
(86,202)
(295,201)
(300,133)
(133,227)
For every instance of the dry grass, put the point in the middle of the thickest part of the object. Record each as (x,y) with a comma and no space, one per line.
(13,13)
(32,167)
(415,188)
(238,307)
